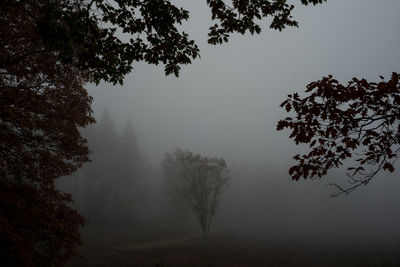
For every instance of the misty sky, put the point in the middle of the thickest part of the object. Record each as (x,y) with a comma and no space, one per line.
(227,103)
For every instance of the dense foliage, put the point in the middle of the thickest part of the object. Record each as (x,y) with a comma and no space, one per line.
(244,16)
(360,120)
(42,104)
(37,228)
(88,33)
(38,126)
(48,50)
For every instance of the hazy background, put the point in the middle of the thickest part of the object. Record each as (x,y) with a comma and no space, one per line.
(226,104)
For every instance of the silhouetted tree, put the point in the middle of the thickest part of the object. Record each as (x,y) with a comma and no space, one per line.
(203,180)
(42,104)
(50,48)
(37,227)
(85,32)
(360,119)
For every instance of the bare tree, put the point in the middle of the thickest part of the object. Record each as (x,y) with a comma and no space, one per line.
(178,208)
(202,181)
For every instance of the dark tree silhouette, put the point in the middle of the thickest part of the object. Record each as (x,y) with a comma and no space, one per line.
(37,227)
(243,16)
(50,48)
(42,104)
(84,32)
(360,119)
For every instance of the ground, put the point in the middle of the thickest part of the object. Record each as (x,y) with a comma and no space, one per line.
(230,250)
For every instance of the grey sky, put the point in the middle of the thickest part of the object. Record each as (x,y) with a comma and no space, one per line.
(227,103)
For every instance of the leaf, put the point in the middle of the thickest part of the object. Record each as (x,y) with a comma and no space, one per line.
(288,107)
(388,166)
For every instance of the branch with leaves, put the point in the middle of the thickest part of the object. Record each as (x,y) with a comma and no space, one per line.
(244,16)
(338,122)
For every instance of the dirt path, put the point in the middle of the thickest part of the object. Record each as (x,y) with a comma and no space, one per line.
(143,245)
(156,243)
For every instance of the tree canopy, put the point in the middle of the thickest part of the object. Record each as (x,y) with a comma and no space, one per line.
(49,49)
(338,122)
(42,104)
(37,228)
(104,38)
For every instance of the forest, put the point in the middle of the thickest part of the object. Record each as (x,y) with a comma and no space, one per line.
(136,215)
(199,133)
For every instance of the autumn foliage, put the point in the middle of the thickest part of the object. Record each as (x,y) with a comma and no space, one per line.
(42,104)
(37,228)
(360,120)
(49,49)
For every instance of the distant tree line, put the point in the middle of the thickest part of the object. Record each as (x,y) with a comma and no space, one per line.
(112,192)
(109,189)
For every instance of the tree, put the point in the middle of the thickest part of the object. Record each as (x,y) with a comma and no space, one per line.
(174,187)
(88,33)
(203,180)
(360,119)
(37,228)
(113,184)
(42,104)
(38,127)
(51,48)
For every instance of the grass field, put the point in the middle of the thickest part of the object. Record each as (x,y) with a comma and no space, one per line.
(226,250)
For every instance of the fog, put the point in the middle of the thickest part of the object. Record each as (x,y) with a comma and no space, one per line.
(226,105)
